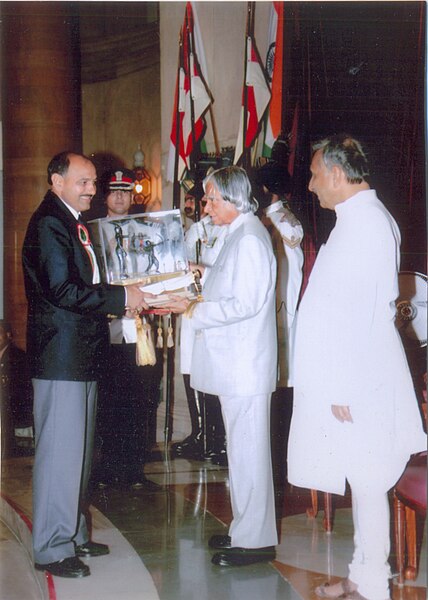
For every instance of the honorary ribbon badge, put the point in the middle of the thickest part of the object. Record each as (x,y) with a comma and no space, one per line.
(83,234)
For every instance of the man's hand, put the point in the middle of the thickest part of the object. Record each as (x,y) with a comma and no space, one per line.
(342,413)
(136,299)
(177,304)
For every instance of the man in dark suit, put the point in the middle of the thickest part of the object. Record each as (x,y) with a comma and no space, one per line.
(67,334)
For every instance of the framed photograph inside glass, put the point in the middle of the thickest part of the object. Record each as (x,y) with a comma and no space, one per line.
(144,248)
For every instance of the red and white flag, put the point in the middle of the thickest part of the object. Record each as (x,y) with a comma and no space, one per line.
(258,95)
(176,138)
(274,67)
(191,92)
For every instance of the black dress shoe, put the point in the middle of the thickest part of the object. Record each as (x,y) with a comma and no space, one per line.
(190,447)
(92,549)
(219,542)
(240,557)
(68,567)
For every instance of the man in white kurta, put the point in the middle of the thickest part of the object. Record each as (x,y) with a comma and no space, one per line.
(235,357)
(355,414)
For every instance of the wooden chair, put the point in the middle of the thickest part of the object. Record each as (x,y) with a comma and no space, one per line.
(410,499)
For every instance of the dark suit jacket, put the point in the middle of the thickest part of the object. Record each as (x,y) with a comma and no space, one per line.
(67,331)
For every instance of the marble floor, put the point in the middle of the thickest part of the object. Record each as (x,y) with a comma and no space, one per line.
(158,541)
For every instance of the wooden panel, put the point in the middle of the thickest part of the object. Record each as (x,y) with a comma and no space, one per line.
(41,118)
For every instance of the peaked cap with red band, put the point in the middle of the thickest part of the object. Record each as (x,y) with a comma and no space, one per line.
(121,179)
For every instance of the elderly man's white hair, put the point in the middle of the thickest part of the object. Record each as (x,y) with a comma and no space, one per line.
(234,187)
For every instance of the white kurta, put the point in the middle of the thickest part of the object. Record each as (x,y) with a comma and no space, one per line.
(287,235)
(211,238)
(348,352)
(235,349)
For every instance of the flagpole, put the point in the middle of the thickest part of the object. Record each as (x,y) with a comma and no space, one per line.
(190,53)
(245,104)
(192,164)
(170,352)
(245,109)
(176,185)
(283,82)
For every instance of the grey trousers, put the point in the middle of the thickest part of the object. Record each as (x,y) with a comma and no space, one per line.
(64,421)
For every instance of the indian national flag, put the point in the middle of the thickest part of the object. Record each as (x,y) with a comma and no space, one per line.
(274,68)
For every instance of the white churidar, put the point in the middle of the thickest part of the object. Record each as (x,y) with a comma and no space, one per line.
(235,349)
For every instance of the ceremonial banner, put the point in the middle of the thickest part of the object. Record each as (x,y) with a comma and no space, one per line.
(192,96)
(255,98)
(176,143)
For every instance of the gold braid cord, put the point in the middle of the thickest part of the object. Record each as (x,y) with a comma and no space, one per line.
(170,334)
(191,307)
(145,353)
(159,342)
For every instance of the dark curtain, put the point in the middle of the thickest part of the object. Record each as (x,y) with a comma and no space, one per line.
(359,67)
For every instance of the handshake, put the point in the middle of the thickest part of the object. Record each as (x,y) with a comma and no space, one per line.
(160,293)
(136,300)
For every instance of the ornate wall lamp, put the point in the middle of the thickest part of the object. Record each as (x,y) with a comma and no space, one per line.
(143,181)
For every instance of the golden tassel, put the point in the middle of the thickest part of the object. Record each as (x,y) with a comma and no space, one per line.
(145,351)
(170,338)
(159,342)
